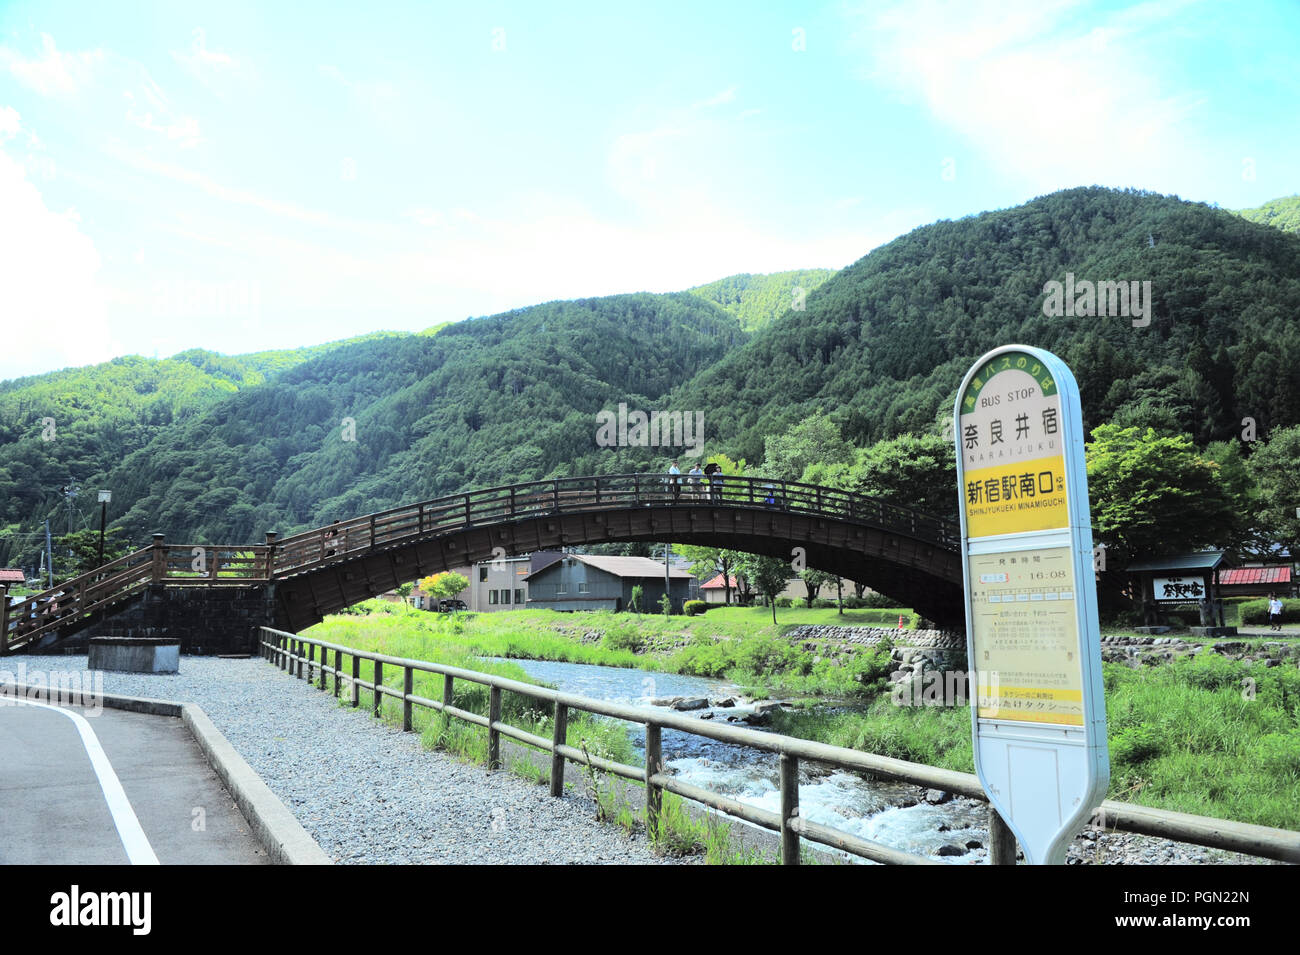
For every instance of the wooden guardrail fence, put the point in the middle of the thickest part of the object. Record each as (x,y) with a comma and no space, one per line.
(292,653)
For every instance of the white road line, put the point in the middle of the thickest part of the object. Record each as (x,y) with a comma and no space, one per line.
(134,841)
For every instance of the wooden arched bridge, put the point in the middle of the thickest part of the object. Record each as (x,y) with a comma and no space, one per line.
(294,582)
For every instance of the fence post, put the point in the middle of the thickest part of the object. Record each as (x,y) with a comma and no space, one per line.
(447,681)
(559,736)
(653,793)
(270,554)
(555,495)
(321,684)
(1002,841)
(159,559)
(408,687)
(494,737)
(379,681)
(356,680)
(281,657)
(789,808)
(298,651)
(311,660)
(338,668)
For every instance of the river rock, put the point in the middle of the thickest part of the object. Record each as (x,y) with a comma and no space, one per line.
(936,797)
(666,700)
(951,850)
(691,703)
(729,701)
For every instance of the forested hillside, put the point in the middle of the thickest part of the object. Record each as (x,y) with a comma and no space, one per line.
(1282,214)
(758,300)
(380,422)
(205,448)
(78,423)
(883,345)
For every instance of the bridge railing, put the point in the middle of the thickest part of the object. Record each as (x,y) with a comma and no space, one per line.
(80,597)
(576,494)
(309,658)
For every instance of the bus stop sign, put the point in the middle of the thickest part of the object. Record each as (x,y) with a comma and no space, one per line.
(1038,713)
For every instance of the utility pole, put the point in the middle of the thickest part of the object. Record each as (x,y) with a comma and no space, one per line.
(49,554)
(668,592)
(104,498)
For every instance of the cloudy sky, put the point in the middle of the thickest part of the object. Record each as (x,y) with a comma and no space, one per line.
(234,177)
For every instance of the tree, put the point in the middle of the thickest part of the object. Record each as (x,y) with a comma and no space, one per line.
(1155,494)
(78,553)
(444,586)
(815,440)
(916,471)
(813,581)
(1273,467)
(768,575)
(708,561)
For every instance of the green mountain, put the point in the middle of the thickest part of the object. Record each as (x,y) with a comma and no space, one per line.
(78,423)
(203,450)
(758,300)
(1282,214)
(376,423)
(883,345)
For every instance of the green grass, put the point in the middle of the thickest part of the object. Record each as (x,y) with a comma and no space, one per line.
(736,643)
(385,633)
(1190,736)
(1184,736)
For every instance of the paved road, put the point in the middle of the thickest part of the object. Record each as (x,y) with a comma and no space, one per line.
(111,788)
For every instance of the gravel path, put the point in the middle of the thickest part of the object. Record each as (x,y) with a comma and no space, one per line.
(367,792)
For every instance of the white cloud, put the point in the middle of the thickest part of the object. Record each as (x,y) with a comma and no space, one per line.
(53,73)
(718,99)
(1051,98)
(52,306)
(218,190)
(10,123)
(213,68)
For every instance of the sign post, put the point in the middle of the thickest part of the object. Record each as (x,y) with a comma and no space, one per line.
(1038,713)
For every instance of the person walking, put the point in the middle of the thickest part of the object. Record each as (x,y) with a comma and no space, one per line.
(1274,612)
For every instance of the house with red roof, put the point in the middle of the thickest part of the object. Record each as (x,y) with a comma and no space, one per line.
(1256,581)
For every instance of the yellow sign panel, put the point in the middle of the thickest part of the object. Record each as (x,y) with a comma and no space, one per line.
(1016,497)
(1013,458)
(1026,636)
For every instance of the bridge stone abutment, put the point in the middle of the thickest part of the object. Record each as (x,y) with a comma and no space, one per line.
(206,620)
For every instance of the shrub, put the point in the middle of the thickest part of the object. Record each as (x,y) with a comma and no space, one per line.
(874,601)
(694,608)
(623,636)
(824,603)
(785,601)
(1256,611)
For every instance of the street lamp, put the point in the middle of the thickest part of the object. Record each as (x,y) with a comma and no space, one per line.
(104,498)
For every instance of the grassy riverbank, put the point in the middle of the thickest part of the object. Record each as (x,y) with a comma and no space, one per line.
(1204,735)
(739,644)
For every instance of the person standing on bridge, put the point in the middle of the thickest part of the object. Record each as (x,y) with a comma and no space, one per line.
(694,476)
(713,472)
(674,480)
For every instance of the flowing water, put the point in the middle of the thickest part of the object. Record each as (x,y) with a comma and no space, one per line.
(871,809)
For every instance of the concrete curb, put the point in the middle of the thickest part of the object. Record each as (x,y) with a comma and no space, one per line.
(273,825)
(286,841)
